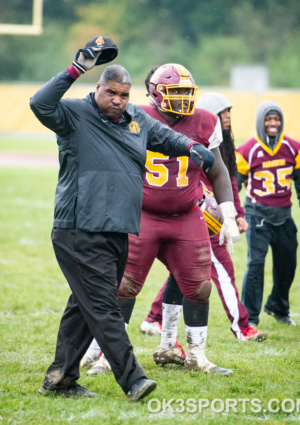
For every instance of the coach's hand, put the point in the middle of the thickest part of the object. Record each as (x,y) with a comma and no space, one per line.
(229,229)
(98,50)
(202,157)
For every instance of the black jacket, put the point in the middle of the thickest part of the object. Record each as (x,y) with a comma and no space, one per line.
(100,184)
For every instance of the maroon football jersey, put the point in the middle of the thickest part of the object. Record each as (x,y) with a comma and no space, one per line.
(172,185)
(269,172)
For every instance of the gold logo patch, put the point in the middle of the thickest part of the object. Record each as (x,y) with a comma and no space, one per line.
(134,127)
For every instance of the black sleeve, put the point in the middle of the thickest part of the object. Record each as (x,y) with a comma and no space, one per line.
(296,178)
(50,110)
(240,179)
(163,139)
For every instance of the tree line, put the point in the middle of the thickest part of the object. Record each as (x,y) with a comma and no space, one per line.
(207,36)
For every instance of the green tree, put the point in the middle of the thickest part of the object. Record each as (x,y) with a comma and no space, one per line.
(207,36)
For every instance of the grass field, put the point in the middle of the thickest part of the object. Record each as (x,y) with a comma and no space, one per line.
(33,297)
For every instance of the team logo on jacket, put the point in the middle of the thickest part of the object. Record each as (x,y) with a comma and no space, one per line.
(134,127)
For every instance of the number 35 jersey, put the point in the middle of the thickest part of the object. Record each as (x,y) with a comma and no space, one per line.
(172,185)
(269,172)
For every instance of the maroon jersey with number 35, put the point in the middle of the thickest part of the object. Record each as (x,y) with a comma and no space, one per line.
(269,172)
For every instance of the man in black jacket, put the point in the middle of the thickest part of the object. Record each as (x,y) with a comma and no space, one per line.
(102,142)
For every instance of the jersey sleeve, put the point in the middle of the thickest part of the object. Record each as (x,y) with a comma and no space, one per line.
(216,138)
(236,199)
(243,166)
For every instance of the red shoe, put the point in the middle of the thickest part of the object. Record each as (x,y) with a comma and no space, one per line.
(253,334)
(181,349)
(175,355)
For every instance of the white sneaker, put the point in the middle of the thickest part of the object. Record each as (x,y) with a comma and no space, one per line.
(175,355)
(100,366)
(197,361)
(89,360)
(151,328)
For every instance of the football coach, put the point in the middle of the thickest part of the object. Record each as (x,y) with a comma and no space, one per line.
(102,141)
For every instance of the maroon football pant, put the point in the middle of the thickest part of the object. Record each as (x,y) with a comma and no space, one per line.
(222,274)
(180,242)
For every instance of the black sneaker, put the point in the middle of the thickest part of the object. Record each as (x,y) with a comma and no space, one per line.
(283,320)
(140,389)
(77,391)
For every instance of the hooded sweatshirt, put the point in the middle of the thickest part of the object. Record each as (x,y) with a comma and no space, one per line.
(268,170)
(263,110)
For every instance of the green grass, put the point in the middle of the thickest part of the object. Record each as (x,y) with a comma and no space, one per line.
(33,297)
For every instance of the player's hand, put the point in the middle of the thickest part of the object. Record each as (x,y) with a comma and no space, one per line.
(202,157)
(229,229)
(98,50)
(242,224)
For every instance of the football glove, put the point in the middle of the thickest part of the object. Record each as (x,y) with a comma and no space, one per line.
(202,157)
(98,50)
(229,230)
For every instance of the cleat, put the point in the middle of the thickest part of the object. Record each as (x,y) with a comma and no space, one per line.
(251,334)
(140,389)
(283,320)
(252,325)
(77,391)
(100,366)
(197,361)
(153,328)
(174,355)
(206,367)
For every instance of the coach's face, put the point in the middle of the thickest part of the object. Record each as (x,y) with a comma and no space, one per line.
(112,98)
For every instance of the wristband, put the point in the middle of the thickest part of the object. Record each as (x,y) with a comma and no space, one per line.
(73,72)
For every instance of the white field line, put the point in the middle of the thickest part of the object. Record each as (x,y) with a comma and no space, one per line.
(27,160)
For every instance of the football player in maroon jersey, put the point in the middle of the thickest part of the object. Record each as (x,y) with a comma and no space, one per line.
(266,164)
(173,228)
(222,267)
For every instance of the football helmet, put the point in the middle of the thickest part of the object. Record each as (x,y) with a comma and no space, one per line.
(162,88)
(212,212)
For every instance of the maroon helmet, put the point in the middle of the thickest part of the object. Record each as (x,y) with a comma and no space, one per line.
(173,76)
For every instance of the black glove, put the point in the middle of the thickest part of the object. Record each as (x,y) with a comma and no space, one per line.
(98,50)
(202,157)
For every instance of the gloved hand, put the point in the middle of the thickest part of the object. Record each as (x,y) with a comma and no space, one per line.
(229,230)
(202,157)
(98,50)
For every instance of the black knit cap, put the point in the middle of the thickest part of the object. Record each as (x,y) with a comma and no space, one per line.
(109,49)
(273,112)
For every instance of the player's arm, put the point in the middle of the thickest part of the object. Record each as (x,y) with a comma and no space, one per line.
(240,213)
(221,184)
(220,180)
(240,179)
(296,178)
(243,169)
